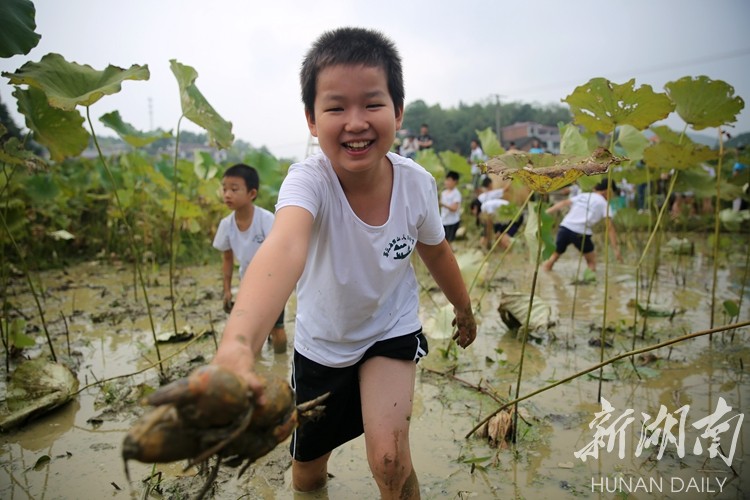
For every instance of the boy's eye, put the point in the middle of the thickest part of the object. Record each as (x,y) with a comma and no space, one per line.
(375,106)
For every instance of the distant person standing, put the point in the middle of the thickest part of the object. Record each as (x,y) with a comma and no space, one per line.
(476,157)
(424,139)
(241,233)
(450,205)
(536,148)
(409,147)
(576,228)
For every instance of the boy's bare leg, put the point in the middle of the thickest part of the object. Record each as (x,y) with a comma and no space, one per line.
(547,266)
(387,389)
(310,476)
(590,260)
(278,339)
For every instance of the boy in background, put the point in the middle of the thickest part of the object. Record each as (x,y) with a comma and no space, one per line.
(240,234)
(450,205)
(347,222)
(576,228)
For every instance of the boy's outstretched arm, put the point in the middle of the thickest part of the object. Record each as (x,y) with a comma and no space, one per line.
(269,280)
(443,267)
(558,206)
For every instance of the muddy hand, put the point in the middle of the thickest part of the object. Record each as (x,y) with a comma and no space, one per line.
(466,327)
(241,362)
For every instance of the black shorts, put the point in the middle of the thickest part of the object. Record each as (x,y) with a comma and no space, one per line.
(567,237)
(451,230)
(499,227)
(342,419)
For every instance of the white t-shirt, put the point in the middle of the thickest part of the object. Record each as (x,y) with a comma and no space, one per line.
(358,286)
(493,204)
(493,194)
(586,209)
(243,244)
(449,197)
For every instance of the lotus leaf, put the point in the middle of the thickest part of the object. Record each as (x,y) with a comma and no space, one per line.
(69,84)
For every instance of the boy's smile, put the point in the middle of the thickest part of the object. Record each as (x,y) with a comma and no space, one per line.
(355,120)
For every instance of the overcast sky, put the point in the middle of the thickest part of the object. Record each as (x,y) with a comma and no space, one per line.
(248,53)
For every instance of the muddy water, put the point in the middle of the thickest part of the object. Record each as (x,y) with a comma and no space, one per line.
(110,335)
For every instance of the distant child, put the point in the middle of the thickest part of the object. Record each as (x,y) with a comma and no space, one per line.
(586,210)
(476,156)
(450,205)
(348,221)
(241,233)
(490,200)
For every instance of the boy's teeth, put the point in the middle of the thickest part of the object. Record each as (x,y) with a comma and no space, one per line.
(357,145)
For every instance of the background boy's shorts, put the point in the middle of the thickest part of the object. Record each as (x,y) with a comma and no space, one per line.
(499,227)
(567,237)
(342,420)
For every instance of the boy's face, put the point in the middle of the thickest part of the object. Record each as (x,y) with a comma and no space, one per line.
(236,194)
(449,183)
(355,120)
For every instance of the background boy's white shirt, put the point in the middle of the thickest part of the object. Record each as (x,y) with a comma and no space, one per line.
(449,198)
(358,286)
(243,244)
(586,210)
(493,204)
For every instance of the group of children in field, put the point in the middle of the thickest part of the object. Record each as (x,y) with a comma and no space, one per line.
(347,222)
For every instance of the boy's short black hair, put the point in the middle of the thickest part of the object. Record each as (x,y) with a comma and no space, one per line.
(486,181)
(246,172)
(602,186)
(452,175)
(352,46)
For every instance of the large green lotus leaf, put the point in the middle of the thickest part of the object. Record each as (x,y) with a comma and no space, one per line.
(205,167)
(544,173)
(456,162)
(268,167)
(666,134)
(35,388)
(668,155)
(703,102)
(490,145)
(572,142)
(130,134)
(17,25)
(601,105)
(196,108)
(69,84)
(430,161)
(60,131)
(632,141)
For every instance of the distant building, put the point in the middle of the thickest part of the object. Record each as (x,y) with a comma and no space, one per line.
(524,133)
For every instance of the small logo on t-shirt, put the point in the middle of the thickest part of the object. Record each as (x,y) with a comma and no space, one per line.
(400,247)
(259,238)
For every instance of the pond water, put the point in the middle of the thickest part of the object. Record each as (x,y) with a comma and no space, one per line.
(74,451)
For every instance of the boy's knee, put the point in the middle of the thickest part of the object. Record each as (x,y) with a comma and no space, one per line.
(310,476)
(390,469)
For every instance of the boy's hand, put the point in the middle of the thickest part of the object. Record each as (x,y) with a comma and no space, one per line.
(228,302)
(466,327)
(239,359)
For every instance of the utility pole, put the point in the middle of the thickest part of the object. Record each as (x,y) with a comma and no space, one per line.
(498,130)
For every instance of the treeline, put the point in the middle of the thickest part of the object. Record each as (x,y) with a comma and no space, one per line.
(454,128)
